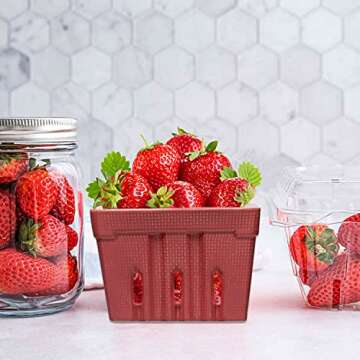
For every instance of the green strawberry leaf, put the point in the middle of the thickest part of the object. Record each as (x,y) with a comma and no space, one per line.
(147,145)
(244,197)
(94,188)
(227,173)
(251,173)
(193,155)
(180,131)
(32,163)
(203,151)
(322,245)
(38,164)
(311,232)
(6,158)
(211,146)
(27,236)
(113,163)
(162,198)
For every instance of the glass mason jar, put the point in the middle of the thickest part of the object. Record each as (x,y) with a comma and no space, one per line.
(41,216)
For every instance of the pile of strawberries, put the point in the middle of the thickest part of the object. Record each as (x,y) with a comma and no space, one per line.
(182,173)
(329,263)
(37,207)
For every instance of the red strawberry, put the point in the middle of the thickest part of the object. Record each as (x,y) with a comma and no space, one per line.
(7,218)
(159,164)
(135,191)
(217,288)
(179,194)
(12,166)
(36,193)
(23,274)
(236,189)
(66,276)
(72,237)
(178,287)
(349,233)
(202,169)
(138,288)
(64,208)
(184,143)
(314,247)
(20,216)
(339,284)
(47,237)
(121,188)
(308,277)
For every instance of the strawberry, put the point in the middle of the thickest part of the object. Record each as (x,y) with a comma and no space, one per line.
(184,143)
(217,288)
(349,233)
(202,168)
(308,277)
(159,164)
(178,290)
(339,284)
(46,237)
(23,274)
(121,188)
(138,288)
(12,166)
(135,191)
(64,208)
(72,237)
(66,276)
(7,218)
(236,189)
(36,193)
(314,247)
(179,194)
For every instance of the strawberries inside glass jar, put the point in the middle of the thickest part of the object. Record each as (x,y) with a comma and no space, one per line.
(41,224)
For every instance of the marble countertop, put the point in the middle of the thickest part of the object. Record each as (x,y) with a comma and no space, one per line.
(278,326)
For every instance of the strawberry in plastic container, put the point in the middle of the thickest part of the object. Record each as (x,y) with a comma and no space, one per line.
(314,247)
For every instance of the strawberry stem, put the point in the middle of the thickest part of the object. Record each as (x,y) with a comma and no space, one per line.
(27,236)
(162,198)
(107,192)
(34,165)
(147,145)
(211,147)
(145,141)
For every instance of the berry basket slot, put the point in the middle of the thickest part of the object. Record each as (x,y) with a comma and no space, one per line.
(177,264)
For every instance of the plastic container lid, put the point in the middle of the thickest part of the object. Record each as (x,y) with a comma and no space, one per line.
(314,194)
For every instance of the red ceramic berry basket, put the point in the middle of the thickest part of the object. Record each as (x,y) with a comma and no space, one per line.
(175,239)
(177,264)
(319,209)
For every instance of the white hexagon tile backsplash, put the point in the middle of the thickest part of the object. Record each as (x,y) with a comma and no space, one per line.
(276,81)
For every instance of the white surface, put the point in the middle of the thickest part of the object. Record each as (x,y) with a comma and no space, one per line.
(279,326)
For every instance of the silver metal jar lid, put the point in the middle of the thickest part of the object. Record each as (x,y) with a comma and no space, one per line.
(37,130)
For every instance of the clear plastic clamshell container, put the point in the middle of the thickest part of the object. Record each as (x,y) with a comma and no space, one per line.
(319,209)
